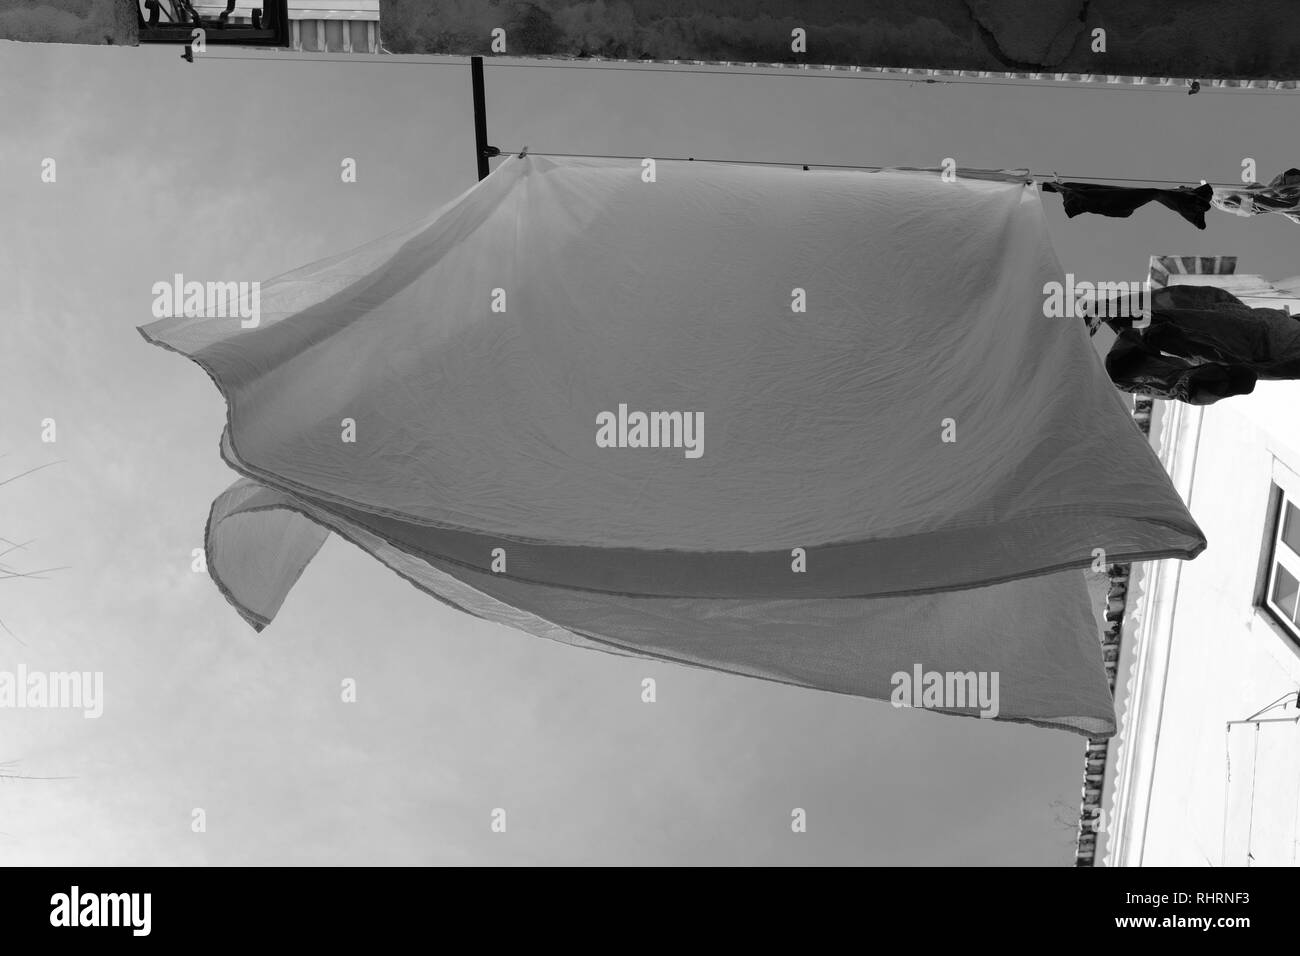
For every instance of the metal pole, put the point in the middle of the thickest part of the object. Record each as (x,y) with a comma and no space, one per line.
(482,150)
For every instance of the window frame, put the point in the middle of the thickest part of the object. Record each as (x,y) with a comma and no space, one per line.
(1280,554)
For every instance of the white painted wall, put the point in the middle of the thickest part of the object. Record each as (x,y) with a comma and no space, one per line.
(1223,658)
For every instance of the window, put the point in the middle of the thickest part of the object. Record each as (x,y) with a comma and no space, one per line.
(1282,594)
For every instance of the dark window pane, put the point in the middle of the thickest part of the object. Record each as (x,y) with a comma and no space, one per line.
(334,35)
(1291,528)
(1285,589)
(359,36)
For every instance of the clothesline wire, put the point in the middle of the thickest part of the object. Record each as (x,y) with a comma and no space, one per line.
(1044,177)
(731,71)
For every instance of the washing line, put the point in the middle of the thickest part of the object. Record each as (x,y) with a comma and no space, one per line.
(1009,174)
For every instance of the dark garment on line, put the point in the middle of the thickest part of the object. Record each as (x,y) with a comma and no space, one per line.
(1120,201)
(1135,366)
(1203,344)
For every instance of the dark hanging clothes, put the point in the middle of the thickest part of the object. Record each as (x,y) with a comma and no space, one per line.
(1203,344)
(1135,366)
(1120,201)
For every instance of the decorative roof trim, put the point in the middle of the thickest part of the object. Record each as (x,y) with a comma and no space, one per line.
(941,76)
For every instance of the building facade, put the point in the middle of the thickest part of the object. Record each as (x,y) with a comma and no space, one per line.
(1205,767)
(316,26)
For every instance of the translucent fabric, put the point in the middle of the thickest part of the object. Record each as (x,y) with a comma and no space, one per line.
(861,445)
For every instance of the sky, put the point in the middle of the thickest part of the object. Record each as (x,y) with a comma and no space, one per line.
(231,169)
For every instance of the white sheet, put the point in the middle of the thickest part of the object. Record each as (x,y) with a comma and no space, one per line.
(476,429)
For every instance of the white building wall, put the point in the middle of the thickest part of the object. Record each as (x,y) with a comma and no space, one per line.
(1191,791)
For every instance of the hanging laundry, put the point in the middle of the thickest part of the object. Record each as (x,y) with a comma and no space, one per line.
(1281,196)
(806,426)
(1120,201)
(1203,344)
(1136,366)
